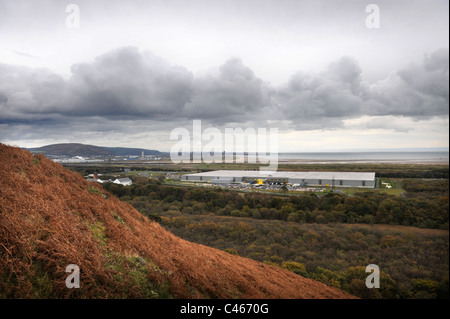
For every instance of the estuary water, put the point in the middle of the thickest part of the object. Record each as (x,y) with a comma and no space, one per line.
(422,157)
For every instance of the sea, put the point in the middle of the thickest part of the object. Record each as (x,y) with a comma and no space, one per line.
(422,157)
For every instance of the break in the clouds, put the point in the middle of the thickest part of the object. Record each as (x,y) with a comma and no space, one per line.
(129,84)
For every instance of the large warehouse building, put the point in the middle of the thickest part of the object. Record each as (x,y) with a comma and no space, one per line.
(305,179)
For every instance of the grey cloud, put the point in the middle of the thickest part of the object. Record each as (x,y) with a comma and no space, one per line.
(3,98)
(327,98)
(431,77)
(28,93)
(235,93)
(119,84)
(126,84)
(324,100)
(346,70)
(417,90)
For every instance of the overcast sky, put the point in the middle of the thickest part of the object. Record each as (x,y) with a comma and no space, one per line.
(134,70)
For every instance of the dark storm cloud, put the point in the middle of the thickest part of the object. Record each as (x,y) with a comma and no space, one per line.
(320,101)
(431,77)
(126,82)
(234,94)
(129,84)
(3,98)
(417,90)
(324,100)
(27,94)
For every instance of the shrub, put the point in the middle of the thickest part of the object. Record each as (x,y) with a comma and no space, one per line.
(295,267)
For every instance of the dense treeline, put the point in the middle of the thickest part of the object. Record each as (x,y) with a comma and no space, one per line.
(426,204)
(413,263)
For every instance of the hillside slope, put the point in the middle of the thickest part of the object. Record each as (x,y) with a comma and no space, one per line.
(77,149)
(51,217)
(72,149)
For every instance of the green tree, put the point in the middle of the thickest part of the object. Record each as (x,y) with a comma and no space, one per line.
(295,267)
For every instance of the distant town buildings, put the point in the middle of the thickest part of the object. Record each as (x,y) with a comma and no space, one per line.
(98,159)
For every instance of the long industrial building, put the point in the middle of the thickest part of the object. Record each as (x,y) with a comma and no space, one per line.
(304,179)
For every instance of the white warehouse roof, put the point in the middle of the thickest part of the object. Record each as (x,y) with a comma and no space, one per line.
(357,176)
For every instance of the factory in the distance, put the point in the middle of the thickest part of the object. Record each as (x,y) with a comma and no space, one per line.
(303,179)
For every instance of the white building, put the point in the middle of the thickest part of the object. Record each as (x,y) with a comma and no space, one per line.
(305,179)
(123,181)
